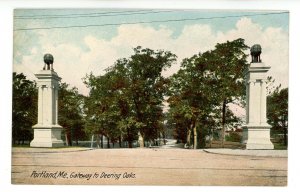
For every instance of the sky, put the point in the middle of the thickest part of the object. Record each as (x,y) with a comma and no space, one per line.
(90,40)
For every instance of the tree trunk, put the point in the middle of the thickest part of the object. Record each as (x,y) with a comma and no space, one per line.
(188,138)
(108,145)
(141,140)
(101,141)
(195,137)
(139,118)
(223,122)
(120,142)
(97,140)
(164,136)
(67,140)
(70,137)
(129,139)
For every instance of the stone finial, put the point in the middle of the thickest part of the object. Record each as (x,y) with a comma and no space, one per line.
(255,53)
(48,60)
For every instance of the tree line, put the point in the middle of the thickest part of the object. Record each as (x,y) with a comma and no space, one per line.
(127,102)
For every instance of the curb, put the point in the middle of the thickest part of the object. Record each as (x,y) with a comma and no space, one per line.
(250,155)
(56,151)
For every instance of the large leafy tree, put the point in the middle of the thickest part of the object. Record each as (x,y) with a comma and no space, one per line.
(24,108)
(229,62)
(105,106)
(131,94)
(193,99)
(206,83)
(147,88)
(277,112)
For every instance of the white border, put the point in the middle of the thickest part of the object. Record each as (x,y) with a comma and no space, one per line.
(6,50)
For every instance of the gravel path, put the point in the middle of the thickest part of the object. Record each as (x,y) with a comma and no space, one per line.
(145,167)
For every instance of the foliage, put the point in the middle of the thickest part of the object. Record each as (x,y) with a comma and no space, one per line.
(277,112)
(206,83)
(192,95)
(24,108)
(127,100)
(229,60)
(70,115)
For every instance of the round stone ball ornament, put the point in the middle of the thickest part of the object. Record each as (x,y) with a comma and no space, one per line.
(255,51)
(48,60)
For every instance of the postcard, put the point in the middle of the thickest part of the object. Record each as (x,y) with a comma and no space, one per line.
(159,97)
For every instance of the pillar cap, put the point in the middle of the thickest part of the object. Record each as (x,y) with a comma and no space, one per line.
(258,67)
(47,74)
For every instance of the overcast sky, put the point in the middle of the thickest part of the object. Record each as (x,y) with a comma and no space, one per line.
(78,51)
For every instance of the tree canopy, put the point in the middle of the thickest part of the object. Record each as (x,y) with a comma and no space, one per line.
(130,95)
(70,116)
(277,112)
(205,83)
(24,108)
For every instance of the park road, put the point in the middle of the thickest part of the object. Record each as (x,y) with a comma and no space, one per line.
(146,166)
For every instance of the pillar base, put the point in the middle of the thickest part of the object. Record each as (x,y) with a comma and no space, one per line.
(47,136)
(257,137)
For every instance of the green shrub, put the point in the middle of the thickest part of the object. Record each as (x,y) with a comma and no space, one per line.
(234,137)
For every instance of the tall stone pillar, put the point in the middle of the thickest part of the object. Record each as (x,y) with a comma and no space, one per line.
(256,132)
(47,131)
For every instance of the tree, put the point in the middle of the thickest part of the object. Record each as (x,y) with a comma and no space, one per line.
(24,108)
(192,98)
(106,106)
(277,112)
(147,89)
(70,115)
(204,82)
(131,95)
(229,63)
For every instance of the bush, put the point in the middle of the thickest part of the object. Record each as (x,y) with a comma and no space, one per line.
(234,137)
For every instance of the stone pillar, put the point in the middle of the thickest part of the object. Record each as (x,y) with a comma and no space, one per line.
(47,131)
(256,132)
